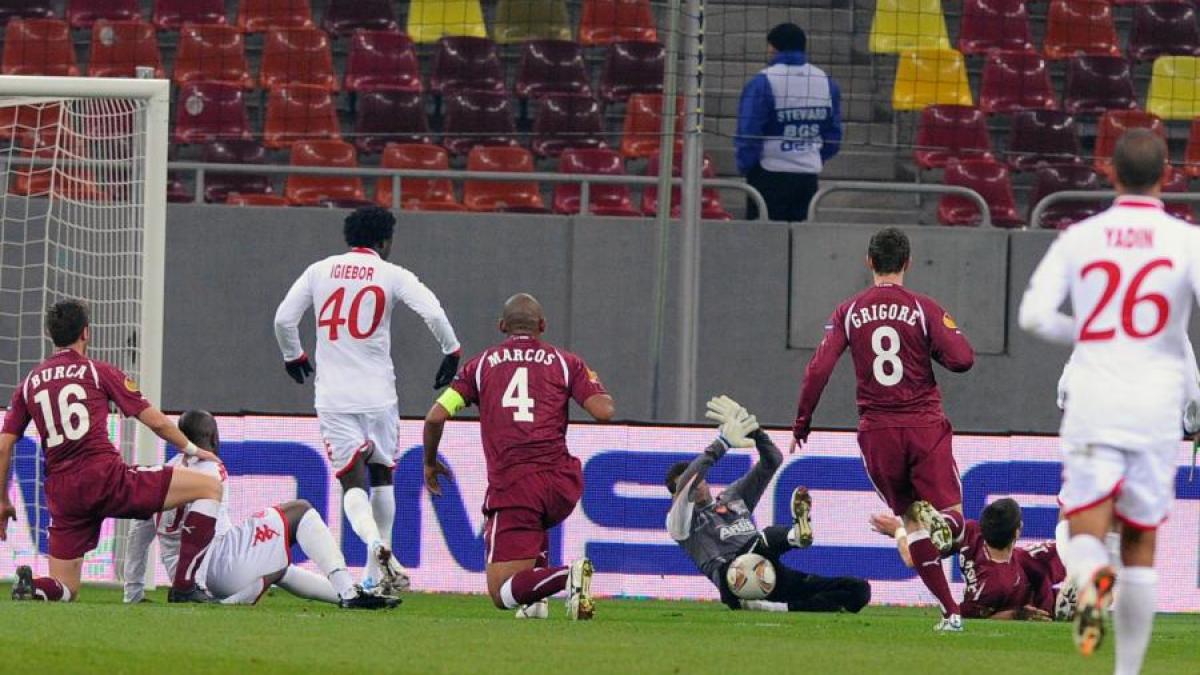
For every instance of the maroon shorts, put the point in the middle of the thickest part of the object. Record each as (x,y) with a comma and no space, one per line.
(98,487)
(520,515)
(908,464)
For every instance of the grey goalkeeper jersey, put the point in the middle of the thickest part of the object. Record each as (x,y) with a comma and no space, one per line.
(715,533)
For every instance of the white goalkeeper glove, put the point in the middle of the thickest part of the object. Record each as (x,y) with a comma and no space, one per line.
(736,423)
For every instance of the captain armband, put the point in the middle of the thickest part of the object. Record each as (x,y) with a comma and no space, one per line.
(452,401)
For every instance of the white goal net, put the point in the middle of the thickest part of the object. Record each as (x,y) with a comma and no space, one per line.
(82,203)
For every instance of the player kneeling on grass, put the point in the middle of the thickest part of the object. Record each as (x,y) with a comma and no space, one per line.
(244,561)
(715,532)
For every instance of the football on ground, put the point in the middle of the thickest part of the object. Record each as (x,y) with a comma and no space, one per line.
(464,634)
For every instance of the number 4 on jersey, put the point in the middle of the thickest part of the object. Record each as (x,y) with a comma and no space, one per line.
(516,395)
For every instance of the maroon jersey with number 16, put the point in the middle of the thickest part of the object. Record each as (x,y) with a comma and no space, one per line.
(523,388)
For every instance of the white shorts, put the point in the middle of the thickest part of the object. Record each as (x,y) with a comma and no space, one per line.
(375,434)
(255,549)
(1141,483)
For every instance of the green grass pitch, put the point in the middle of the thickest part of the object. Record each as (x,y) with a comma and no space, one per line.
(464,634)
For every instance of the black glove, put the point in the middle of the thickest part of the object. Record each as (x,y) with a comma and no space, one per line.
(447,370)
(299,368)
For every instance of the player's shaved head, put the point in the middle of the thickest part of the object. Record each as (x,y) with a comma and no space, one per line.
(1140,160)
(200,427)
(522,315)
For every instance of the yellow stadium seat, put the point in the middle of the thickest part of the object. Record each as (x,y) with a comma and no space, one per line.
(1175,88)
(522,20)
(908,25)
(930,77)
(431,20)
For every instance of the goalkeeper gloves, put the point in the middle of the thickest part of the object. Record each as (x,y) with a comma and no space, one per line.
(445,373)
(736,424)
(299,368)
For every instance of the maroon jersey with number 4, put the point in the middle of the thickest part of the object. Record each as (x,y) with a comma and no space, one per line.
(894,335)
(523,387)
(67,396)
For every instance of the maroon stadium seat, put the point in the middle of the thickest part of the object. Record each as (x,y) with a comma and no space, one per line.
(1076,27)
(632,68)
(211,53)
(25,9)
(1015,81)
(1177,181)
(343,17)
(260,16)
(382,59)
(120,47)
(993,24)
(419,194)
(38,47)
(603,200)
(466,63)
(172,14)
(177,192)
(83,13)
(218,185)
(606,21)
(1165,28)
(298,56)
(516,197)
(567,121)
(299,112)
(477,118)
(1098,83)
(313,190)
(239,199)
(211,111)
(390,116)
(1042,137)
(552,66)
(990,179)
(1058,178)
(710,199)
(951,132)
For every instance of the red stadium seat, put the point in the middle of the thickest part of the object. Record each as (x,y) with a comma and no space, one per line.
(83,13)
(1112,125)
(386,116)
(641,132)
(343,17)
(1042,137)
(948,132)
(632,68)
(1075,27)
(603,200)
(218,185)
(1177,182)
(517,197)
(309,190)
(211,111)
(1058,178)
(212,54)
(177,192)
(463,62)
(1164,28)
(1015,81)
(418,194)
(297,112)
(73,183)
(38,119)
(710,199)
(172,14)
(239,199)
(608,21)
(1098,83)
(990,179)
(120,47)
(382,59)
(25,9)
(38,47)
(1191,156)
(994,24)
(567,121)
(260,16)
(477,118)
(300,56)
(552,67)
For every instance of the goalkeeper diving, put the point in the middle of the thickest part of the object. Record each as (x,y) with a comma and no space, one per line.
(714,532)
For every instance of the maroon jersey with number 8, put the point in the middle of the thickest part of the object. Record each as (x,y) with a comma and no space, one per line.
(523,388)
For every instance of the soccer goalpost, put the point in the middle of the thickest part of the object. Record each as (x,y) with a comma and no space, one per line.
(82,214)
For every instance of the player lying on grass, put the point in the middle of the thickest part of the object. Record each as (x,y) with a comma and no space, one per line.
(244,561)
(1003,581)
(67,396)
(716,531)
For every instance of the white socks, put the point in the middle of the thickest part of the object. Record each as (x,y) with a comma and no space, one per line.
(357,508)
(205,507)
(1085,555)
(1062,537)
(506,595)
(317,543)
(383,506)
(1133,617)
(305,584)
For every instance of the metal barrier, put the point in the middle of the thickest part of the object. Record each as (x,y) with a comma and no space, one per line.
(1049,200)
(868,186)
(200,169)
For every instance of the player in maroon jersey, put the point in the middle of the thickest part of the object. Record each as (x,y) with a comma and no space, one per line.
(67,397)
(894,336)
(523,388)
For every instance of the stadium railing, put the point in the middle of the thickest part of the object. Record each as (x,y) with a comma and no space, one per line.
(899,188)
(1035,217)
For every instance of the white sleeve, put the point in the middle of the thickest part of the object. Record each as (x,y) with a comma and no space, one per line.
(136,559)
(679,518)
(288,315)
(1047,290)
(420,299)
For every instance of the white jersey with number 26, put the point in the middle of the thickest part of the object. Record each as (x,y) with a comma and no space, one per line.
(352,295)
(1131,273)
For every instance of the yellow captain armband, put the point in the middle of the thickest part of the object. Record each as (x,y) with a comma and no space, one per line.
(452,401)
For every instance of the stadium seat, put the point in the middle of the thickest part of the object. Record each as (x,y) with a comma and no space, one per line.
(607,21)
(947,132)
(75,183)
(990,179)
(710,199)
(38,47)
(466,63)
(1098,83)
(518,197)
(260,16)
(119,47)
(25,9)
(310,190)
(1075,27)
(382,59)
(552,66)
(239,199)
(213,54)
(641,131)
(343,17)
(477,118)
(603,200)
(1042,137)
(1174,94)
(1058,178)
(927,78)
(172,14)
(42,120)
(211,111)
(632,68)
(908,25)
(567,121)
(1015,81)
(1110,127)
(418,194)
(300,56)
(1164,28)
(218,185)
(298,112)
(994,24)
(524,20)
(177,192)
(432,20)
(1191,156)
(386,116)
(84,13)
(1177,181)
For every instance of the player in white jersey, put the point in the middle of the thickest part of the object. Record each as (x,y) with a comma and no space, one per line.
(244,561)
(1131,274)
(352,295)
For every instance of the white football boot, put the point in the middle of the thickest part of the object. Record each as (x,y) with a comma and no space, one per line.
(579,591)
(949,624)
(537,610)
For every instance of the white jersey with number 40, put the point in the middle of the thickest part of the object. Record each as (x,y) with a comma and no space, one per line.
(352,295)
(1131,274)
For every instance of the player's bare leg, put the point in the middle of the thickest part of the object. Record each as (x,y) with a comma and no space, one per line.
(1092,573)
(61,586)
(383,508)
(928,531)
(1133,616)
(357,507)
